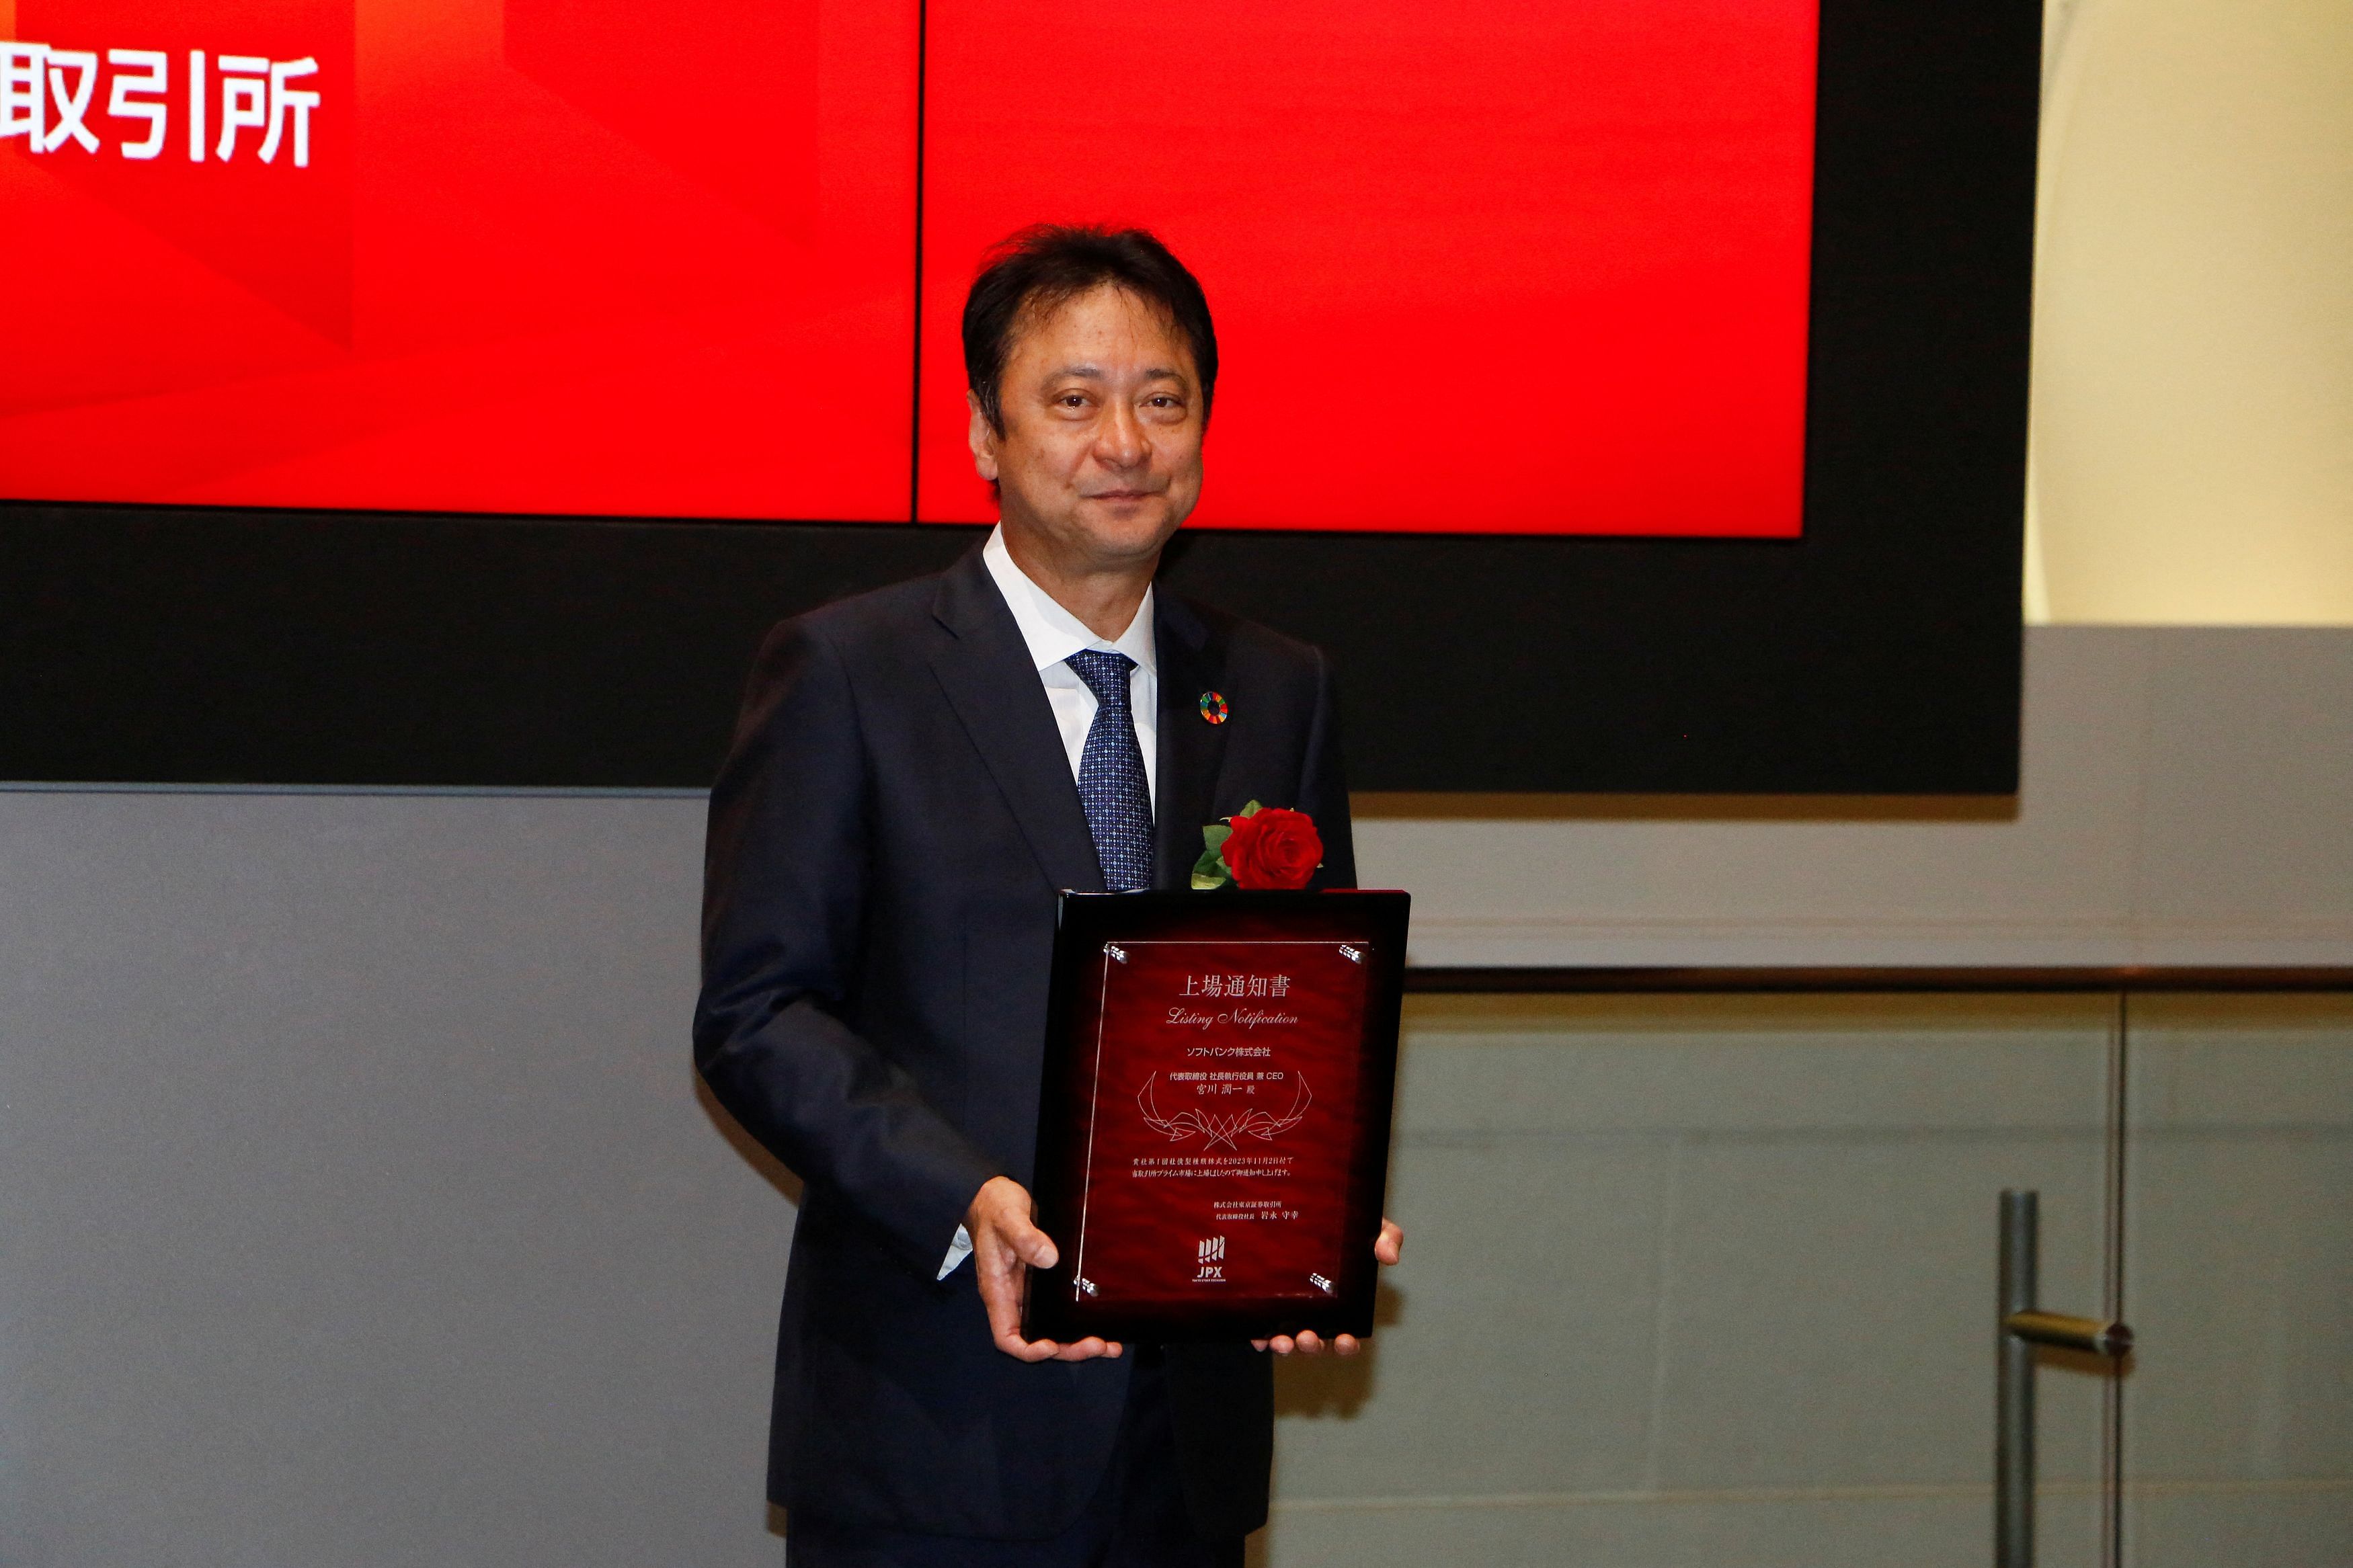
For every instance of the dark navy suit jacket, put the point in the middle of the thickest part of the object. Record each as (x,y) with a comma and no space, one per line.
(886,841)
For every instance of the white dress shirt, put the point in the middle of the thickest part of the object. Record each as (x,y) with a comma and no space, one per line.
(1053,635)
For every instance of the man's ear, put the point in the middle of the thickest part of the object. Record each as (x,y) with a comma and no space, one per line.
(982,437)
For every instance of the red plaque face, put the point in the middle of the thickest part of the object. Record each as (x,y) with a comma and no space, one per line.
(1214,1129)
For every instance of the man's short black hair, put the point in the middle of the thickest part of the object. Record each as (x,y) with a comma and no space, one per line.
(1049,263)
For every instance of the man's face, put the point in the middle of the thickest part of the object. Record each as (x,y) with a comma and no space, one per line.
(1101,455)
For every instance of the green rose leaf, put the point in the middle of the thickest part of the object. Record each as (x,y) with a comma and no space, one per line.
(1209,872)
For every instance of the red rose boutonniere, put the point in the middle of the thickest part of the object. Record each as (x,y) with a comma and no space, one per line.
(1261,847)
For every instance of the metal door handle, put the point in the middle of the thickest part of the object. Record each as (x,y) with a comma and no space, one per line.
(2092,1335)
(2021,1326)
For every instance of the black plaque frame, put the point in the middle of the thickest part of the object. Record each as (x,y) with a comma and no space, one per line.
(1084,924)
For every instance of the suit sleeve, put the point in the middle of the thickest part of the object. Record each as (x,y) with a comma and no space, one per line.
(1323,786)
(785,869)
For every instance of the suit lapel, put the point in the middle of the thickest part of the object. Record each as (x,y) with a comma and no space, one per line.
(1191,751)
(993,686)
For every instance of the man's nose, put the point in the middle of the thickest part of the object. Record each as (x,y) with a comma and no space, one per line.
(1119,439)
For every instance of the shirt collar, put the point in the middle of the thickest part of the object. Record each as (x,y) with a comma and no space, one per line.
(1053,632)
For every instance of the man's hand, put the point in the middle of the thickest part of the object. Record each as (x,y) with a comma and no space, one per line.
(1005,1247)
(1387,1247)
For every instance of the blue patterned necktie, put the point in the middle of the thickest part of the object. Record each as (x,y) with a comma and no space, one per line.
(1112,786)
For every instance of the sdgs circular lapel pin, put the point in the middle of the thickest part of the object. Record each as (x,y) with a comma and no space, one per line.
(1213,708)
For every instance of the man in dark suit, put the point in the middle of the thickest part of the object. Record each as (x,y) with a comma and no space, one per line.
(915,773)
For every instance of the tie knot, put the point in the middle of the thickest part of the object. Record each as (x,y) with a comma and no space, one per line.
(1105,673)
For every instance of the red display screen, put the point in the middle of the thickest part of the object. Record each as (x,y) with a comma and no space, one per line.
(1537,269)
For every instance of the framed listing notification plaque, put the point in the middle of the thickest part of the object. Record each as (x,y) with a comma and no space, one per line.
(1214,1123)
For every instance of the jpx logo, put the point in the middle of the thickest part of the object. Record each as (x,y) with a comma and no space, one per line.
(1212,1254)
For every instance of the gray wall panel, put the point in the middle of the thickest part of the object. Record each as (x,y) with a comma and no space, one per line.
(357,1205)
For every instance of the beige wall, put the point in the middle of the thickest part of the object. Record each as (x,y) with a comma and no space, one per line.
(2193,373)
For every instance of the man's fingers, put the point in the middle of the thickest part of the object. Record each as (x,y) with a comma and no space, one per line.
(1000,1212)
(1030,1244)
(1004,1327)
(1088,1349)
(999,1275)
(1391,1243)
(1001,1298)
(1014,1345)
(1307,1343)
